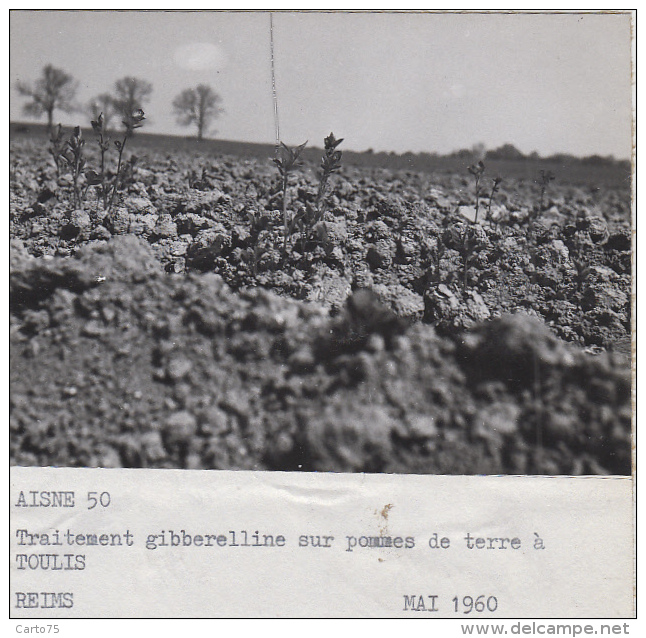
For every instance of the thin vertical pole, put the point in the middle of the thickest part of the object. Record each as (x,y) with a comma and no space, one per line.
(273,79)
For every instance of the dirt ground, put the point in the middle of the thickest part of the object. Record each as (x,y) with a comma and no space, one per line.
(395,334)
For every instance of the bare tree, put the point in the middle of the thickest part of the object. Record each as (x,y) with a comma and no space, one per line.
(103,103)
(199,106)
(54,90)
(130,94)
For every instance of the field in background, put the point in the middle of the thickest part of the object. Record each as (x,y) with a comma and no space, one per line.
(571,171)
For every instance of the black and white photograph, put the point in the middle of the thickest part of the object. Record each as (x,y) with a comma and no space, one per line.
(322,314)
(348,242)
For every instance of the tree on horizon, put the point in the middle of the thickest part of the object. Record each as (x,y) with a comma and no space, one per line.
(55,89)
(130,94)
(198,106)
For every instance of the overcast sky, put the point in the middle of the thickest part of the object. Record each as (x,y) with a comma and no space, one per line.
(419,82)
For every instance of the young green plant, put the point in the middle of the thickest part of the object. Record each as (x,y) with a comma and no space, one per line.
(56,147)
(477,170)
(468,247)
(72,155)
(100,179)
(467,238)
(109,188)
(546,178)
(330,163)
(494,189)
(432,250)
(132,121)
(286,163)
